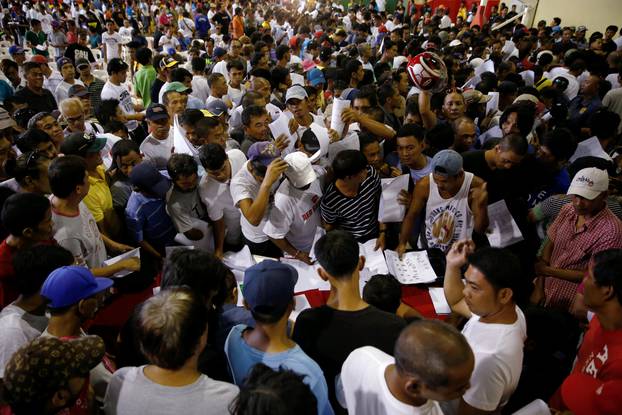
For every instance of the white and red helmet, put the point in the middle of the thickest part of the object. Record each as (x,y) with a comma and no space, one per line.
(428,72)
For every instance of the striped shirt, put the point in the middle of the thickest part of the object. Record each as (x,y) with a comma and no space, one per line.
(357,215)
(147,220)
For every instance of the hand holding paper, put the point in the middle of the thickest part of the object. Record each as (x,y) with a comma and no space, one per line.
(390,210)
(336,123)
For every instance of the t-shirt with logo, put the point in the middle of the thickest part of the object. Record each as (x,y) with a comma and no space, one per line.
(112,42)
(122,94)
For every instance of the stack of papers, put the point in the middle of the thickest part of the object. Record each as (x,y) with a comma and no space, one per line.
(134,253)
(308,278)
(413,268)
(335,120)
(319,232)
(239,260)
(502,228)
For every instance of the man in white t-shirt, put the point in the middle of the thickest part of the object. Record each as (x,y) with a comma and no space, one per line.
(115,88)
(252,189)
(68,72)
(295,215)
(111,41)
(496,329)
(215,193)
(374,382)
(157,147)
(168,41)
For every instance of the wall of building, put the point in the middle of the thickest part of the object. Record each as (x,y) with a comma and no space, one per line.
(596,15)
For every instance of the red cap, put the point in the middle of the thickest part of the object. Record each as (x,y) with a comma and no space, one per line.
(293,42)
(584,395)
(39,59)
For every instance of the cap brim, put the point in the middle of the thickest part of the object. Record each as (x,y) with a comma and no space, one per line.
(98,144)
(302,179)
(157,117)
(81,94)
(162,187)
(297,96)
(583,192)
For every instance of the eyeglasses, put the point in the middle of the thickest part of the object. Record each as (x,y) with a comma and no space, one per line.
(74,119)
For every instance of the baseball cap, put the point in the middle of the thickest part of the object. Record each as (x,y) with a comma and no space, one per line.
(349,93)
(68,285)
(263,152)
(147,177)
(156,112)
(78,90)
(316,77)
(55,24)
(269,286)
(15,50)
(82,62)
(167,62)
(218,52)
(527,97)
(307,65)
(300,172)
(176,86)
(217,107)
(5,120)
(584,395)
(589,183)
(447,163)
(581,29)
(81,143)
(116,65)
(473,96)
(39,59)
(60,62)
(46,364)
(454,43)
(295,92)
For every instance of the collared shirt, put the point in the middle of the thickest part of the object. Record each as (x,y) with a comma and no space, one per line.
(574,248)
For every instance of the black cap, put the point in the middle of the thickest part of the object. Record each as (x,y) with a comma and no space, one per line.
(80,144)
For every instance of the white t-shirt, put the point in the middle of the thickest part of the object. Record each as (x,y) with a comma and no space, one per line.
(365,388)
(295,215)
(221,68)
(235,94)
(186,25)
(112,42)
(217,198)
(18,328)
(498,350)
(120,93)
(125,31)
(167,43)
(245,186)
(200,88)
(62,90)
(157,151)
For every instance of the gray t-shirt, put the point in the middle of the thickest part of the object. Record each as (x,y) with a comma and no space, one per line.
(157,151)
(18,328)
(185,208)
(131,392)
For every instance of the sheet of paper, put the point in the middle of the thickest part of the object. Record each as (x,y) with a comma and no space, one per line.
(414,268)
(180,142)
(134,253)
(321,133)
(364,276)
(239,260)
(297,79)
(374,260)
(441,306)
(308,278)
(537,407)
(590,148)
(349,142)
(335,119)
(487,66)
(502,229)
(390,210)
(301,304)
(280,127)
(319,232)
(493,104)
(205,244)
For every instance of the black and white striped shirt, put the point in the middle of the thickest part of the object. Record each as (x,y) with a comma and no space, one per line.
(357,215)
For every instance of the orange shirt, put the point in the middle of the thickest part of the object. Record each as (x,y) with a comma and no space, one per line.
(237,25)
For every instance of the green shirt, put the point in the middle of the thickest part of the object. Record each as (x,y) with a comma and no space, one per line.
(37,39)
(143,79)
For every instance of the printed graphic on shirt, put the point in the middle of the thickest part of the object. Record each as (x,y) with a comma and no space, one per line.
(315,204)
(595,361)
(447,223)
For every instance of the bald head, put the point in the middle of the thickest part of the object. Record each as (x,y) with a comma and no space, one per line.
(429,350)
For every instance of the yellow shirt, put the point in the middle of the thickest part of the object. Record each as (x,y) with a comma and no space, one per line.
(99,201)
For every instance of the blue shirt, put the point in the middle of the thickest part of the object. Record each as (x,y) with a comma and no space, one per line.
(243,357)
(147,220)
(231,316)
(201,24)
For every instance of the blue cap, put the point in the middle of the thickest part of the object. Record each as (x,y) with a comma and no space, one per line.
(349,93)
(447,163)
(13,50)
(263,152)
(146,177)
(66,286)
(316,77)
(60,62)
(156,112)
(217,107)
(218,52)
(269,286)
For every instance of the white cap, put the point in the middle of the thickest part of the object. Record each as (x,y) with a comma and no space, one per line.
(527,97)
(475,62)
(455,42)
(300,172)
(398,61)
(296,92)
(589,183)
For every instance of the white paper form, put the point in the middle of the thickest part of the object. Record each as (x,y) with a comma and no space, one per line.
(335,119)
(308,278)
(349,142)
(239,260)
(301,304)
(414,268)
(321,133)
(319,232)
(502,229)
(206,243)
(180,142)
(280,127)
(134,253)
(493,104)
(390,210)
(374,260)
(441,306)
(486,66)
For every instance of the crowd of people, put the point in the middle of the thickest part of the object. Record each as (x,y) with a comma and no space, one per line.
(146,146)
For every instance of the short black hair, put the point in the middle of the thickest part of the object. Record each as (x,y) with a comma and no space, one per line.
(252,111)
(121,149)
(348,163)
(500,267)
(28,66)
(204,126)
(338,253)
(65,174)
(212,156)
(383,292)
(351,67)
(366,139)
(181,165)
(561,143)
(106,110)
(515,143)
(368,92)
(23,210)
(31,138)
(198,64)
(191,116)
(143,56)
(114,126)
(608,270)
(180,75)
(236,64)
(281,50)
(604,123)
(385,92)
(411,130)
(525,116)
(279,76)
(33,265)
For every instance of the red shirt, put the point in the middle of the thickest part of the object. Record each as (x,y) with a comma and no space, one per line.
(8,292)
